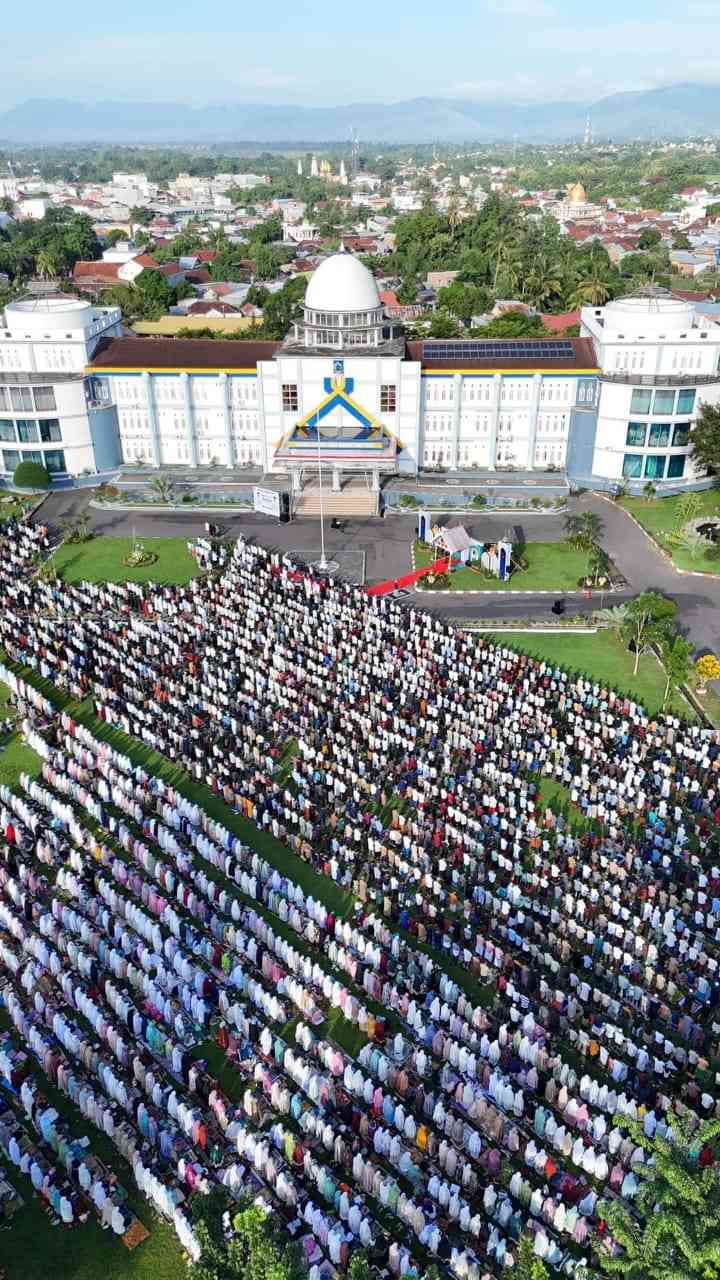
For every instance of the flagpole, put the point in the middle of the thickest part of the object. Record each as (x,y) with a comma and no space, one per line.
(322,565)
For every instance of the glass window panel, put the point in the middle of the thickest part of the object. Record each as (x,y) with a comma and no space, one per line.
(681,435)
(27,431)
(632,466)
(636,433)
(676,466)
(44,399)
(640,400)
(4,398)
(50,431)
(21,398)
(31,455)
(664,402)
(7,430)
(55,460)
(11,457)
(686,401)
(659,435)
(655,466)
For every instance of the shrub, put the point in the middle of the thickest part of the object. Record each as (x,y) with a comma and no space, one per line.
(536,502)
(31,475)
(187,497)
(479,500)
(408,500)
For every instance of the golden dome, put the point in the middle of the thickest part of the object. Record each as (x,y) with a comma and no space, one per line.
(576,193)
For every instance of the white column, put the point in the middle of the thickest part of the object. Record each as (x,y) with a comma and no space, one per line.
(152,417)
(534,410)
(457,385)
(189,419)
(494,415)
(336,485)
(227,419)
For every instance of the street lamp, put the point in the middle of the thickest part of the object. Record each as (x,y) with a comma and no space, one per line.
(322,565)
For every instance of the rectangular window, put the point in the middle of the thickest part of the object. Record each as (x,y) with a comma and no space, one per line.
(27,431)
(664,402)
(7,430)
(640,402)
(45,399)
(655,466)
(686,401)
(289,397)
(388,397)
(659,436)
(50,431)
(632,466)
(681,435)
(55,460)
(636,433)
(32,455)
(676,466)
(11,457)
(4,398)
(21,398)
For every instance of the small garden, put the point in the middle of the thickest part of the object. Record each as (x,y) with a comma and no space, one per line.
(458,500)
(578,563)
(158,560)
(162,491)
(687,527)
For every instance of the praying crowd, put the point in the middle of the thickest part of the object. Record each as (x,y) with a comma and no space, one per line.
(432,1000)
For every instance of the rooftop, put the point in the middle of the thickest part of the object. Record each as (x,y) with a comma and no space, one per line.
(180,353)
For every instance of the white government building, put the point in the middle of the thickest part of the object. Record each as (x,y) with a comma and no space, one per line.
(614,404)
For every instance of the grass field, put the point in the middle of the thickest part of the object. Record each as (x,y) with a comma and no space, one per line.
(605,659)
(659,517)
(101,560)
(552,566)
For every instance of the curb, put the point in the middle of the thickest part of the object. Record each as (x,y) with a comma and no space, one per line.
(184,508)
(685,573)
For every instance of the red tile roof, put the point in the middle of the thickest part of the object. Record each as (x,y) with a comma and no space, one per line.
(180,353)
(556,324)
(96,270)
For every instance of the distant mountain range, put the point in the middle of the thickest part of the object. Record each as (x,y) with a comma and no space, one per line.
(672,112)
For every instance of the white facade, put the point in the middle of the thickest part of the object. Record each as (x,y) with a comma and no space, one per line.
(659,363)
(50,410)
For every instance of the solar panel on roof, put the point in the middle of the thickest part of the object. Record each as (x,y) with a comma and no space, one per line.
(500,349)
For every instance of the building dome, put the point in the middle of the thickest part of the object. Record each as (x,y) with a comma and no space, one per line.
(342,284)
(576,193)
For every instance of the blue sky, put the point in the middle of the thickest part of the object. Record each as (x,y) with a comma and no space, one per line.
(319,52)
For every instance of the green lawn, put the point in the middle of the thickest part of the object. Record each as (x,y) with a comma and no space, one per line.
(552,566)
(15,756)
(659,516)
(101,560)
(604,658)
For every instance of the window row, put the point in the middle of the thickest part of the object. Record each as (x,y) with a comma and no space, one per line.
(52,459)
(30,431)
(663,402)
(653,466)
(657,435)
(28,399)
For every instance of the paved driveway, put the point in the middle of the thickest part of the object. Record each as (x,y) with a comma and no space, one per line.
(386,544)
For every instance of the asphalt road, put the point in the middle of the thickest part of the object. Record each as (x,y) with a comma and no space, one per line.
(386,544)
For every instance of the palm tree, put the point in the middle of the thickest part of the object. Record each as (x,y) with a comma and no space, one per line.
(47,264)
(162,487)
(613,617)
(598,564)
(589,293)
(584,530)
(544,282)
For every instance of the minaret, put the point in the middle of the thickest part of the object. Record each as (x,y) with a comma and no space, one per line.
(299,168)
(343,174)
(314,167)
(588,139)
